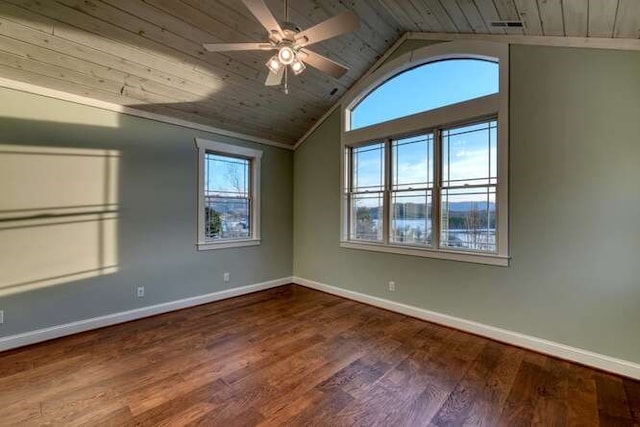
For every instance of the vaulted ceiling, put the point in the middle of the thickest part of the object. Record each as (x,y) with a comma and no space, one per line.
(148,54)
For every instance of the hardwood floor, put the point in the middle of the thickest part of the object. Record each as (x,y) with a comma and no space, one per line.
(296,356)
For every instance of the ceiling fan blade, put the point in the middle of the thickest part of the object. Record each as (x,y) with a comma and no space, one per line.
(223,47)
(343,23)
(323,63)
(262,13)
(274,79)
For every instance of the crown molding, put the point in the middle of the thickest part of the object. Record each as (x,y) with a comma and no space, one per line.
(579,42)
(122,109)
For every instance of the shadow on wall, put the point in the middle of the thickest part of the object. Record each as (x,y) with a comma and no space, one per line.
(227,121)
(92,204)
(58,215)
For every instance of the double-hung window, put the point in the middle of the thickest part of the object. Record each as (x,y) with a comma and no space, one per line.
(367,191)
(428,176)
(228,195)
(467,187)
(411,189)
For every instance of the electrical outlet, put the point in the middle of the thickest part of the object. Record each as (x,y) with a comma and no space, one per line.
(227,277)
(140,292)
(1,317)
(392,286)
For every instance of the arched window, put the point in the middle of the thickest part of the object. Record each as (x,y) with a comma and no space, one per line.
(425,155)
(427,87)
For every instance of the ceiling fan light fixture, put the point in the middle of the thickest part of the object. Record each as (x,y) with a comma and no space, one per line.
(274,64)
(286,55)
(297,66)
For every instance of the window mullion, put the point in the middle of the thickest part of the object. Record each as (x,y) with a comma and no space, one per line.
(386,198)
(349,191)
(251,218)
(437,185)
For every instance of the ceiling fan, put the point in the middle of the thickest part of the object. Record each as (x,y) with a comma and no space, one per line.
(291,43)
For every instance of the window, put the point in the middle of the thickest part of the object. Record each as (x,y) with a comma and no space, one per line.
(226,197)
(229,202)
(428,176)
(367,192)
(442,83)
(411,190)
(468,187)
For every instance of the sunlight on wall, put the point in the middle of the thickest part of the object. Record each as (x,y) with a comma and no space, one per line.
(58,215)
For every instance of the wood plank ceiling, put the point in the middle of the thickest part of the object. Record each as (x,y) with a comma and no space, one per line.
(148,54)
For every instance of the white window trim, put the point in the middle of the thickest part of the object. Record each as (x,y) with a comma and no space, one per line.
(478,108)
(204,146)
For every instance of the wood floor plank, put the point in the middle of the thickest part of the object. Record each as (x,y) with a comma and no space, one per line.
(483,389)
(632,389)
(420,373)
(193,404)
(295,356)
(582,408)
(551,406)
(613,406)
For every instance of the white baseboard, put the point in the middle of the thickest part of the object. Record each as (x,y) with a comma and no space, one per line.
(45,334)
(573,354)
(584,357)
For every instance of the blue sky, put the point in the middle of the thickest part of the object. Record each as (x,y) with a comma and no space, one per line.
(425,88)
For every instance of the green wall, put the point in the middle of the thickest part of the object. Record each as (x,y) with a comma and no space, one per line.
(156,224)
(574,205)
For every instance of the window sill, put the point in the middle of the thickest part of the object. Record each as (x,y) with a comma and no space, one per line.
(487,259)
(226,244)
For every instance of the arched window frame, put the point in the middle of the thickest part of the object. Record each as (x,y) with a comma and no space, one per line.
(495,105)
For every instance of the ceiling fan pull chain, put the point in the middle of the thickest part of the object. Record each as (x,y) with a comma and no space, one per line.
(286,10)
(286,82)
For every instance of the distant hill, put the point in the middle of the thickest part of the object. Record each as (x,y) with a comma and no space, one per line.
(226,205)
(416,210)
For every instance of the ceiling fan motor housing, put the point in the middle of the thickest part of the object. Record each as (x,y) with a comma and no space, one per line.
(289,27)
(290,31)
